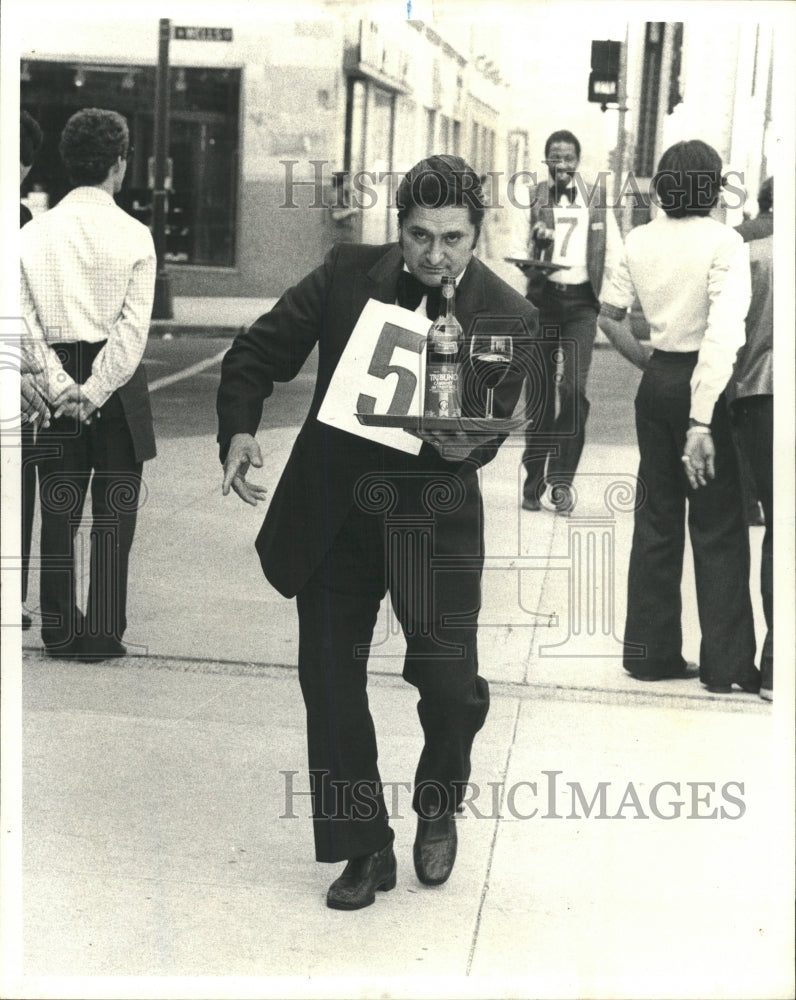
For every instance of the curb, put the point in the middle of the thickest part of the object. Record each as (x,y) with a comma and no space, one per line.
(540,690)
(167,329)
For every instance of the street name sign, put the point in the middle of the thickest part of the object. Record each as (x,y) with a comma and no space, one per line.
(194,34)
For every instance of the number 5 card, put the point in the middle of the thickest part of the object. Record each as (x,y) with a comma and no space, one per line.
(381,370)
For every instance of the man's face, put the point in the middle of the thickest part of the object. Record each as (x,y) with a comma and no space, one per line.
(437,241)
(562,162)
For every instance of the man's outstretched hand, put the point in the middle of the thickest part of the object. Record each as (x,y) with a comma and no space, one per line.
(243,452)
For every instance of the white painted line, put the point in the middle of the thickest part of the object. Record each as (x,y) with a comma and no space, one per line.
(200,366)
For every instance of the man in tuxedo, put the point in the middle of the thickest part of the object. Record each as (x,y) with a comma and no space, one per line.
(576,230)
(325,535)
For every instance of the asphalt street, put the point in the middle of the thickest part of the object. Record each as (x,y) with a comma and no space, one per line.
(186,407)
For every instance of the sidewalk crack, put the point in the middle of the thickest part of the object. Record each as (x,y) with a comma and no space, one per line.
(493,844)
(538,613)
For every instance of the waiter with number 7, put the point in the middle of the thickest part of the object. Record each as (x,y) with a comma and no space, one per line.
(324,536)
(573,227)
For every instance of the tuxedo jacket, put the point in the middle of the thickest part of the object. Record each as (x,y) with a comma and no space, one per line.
(129,404)
(137,409)
(328,468)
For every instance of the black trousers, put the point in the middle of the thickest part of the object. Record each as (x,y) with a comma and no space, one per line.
(754,421)
(28,500)
(717,530)
(558,404)
(73,459)
(337,611)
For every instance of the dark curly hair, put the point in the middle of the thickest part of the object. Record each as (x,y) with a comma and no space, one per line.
(562,135)
(91,142)
(688,179)
(30,138)
(441,181)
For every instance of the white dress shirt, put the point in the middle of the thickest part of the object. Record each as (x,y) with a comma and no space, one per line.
(692,279)
(88,274)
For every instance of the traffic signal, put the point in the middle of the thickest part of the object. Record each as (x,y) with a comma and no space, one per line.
(675,94)
(604,76)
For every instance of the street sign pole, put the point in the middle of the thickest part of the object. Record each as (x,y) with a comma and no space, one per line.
(163,307)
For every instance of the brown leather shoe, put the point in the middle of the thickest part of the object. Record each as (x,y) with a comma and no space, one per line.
(361,877)
(435,849)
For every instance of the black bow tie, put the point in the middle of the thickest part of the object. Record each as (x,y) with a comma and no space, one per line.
(410,293)
(568,191)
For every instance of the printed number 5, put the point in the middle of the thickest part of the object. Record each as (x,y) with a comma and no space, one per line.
(571,221)
(392,336)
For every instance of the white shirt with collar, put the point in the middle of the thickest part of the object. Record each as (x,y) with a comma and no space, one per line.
(693,281)
(88,274)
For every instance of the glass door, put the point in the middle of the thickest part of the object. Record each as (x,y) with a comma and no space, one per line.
(370,129)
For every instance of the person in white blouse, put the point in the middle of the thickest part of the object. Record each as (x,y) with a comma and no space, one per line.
(691,275)
(87,286)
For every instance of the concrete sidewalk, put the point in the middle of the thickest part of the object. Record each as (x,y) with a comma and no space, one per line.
(161,838)
(553,588)
(166,834)
(211,317)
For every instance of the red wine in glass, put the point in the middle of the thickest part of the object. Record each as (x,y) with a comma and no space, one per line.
(490,357)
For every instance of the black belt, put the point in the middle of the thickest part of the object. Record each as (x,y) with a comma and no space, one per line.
(675,357)
(77,357)
(563,289)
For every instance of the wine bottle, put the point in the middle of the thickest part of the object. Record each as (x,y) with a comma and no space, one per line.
(445,340)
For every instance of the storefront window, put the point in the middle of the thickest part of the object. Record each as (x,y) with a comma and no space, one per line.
(444,133)
(475,146)
(431,138)
(369,139)
(203,146)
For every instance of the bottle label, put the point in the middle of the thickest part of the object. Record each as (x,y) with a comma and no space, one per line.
(442,391)
(445,347)
(442,371)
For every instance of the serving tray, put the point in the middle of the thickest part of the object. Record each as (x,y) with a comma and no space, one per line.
(472,425)
(539,265)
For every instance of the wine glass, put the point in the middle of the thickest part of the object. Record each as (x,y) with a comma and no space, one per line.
(543,239)
(490,356)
